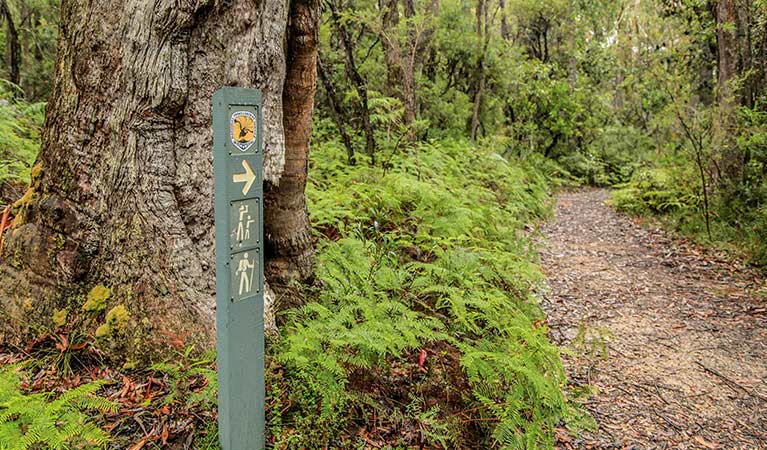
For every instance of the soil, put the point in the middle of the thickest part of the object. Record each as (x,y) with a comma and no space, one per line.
(670,338)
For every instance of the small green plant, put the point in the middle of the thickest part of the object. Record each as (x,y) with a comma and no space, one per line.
(191,379)
(592,342)
(41,420)
(20,124)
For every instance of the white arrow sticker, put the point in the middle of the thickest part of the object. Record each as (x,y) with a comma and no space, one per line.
(248,177)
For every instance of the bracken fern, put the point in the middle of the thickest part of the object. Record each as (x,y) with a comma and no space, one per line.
(430,253)
(38,421)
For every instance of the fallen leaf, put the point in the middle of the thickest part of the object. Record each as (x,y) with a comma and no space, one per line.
(706,443)
(139,445)
(422,358)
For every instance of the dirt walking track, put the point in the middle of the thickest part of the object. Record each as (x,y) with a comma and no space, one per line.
(684,332)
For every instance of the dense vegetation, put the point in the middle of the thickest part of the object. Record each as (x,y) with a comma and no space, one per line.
(30,421)
(440,130)
(705,174)
(20,124)
(426,329)
(664,99)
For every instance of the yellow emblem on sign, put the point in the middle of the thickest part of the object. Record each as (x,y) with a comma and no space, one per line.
(242,129)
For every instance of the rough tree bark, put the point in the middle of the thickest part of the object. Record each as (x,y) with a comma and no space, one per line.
(289,250)
(122,191)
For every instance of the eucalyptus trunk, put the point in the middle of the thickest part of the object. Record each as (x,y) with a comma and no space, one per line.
(483,41)
(288,233)
(395,71)
(122,192)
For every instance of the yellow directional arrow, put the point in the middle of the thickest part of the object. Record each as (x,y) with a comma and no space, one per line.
(248,177)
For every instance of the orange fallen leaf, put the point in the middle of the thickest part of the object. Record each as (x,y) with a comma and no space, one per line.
(139,445)
(126,386)
(706,443)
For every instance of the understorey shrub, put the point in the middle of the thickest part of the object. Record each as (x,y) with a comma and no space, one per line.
(425,330)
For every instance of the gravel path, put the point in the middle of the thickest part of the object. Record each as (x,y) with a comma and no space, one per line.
(670,338)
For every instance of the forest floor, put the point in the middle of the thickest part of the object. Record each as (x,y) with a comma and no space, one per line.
(670,337)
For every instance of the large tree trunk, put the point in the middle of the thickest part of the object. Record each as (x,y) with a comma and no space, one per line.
(122,194)
(288,234)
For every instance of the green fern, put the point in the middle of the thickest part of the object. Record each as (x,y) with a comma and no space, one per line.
(29,421)
(186,370)
(429,254)
(20,124)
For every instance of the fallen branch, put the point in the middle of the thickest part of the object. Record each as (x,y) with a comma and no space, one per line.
(732,383)
(675,425)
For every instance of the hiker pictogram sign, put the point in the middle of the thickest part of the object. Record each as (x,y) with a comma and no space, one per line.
(238,165)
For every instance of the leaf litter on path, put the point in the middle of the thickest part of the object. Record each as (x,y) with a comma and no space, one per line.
(670,337)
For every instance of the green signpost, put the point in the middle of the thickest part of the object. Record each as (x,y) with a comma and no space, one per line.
(238,163)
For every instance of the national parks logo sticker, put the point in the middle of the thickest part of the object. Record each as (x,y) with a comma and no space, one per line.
(242,129)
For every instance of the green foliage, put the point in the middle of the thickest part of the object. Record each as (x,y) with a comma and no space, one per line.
(672,190)
(36,421)
(20,124)
(191,380)
(97,298)
(427,254)
(660,190)
(37,23)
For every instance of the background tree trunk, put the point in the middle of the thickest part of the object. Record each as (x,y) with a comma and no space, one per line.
(336,110)
(289,249)
(122,190)
(411,60)
(13,48)
(357,81)
(745,66)
(395,71)
(727,47)
(505,29)
(483,40)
